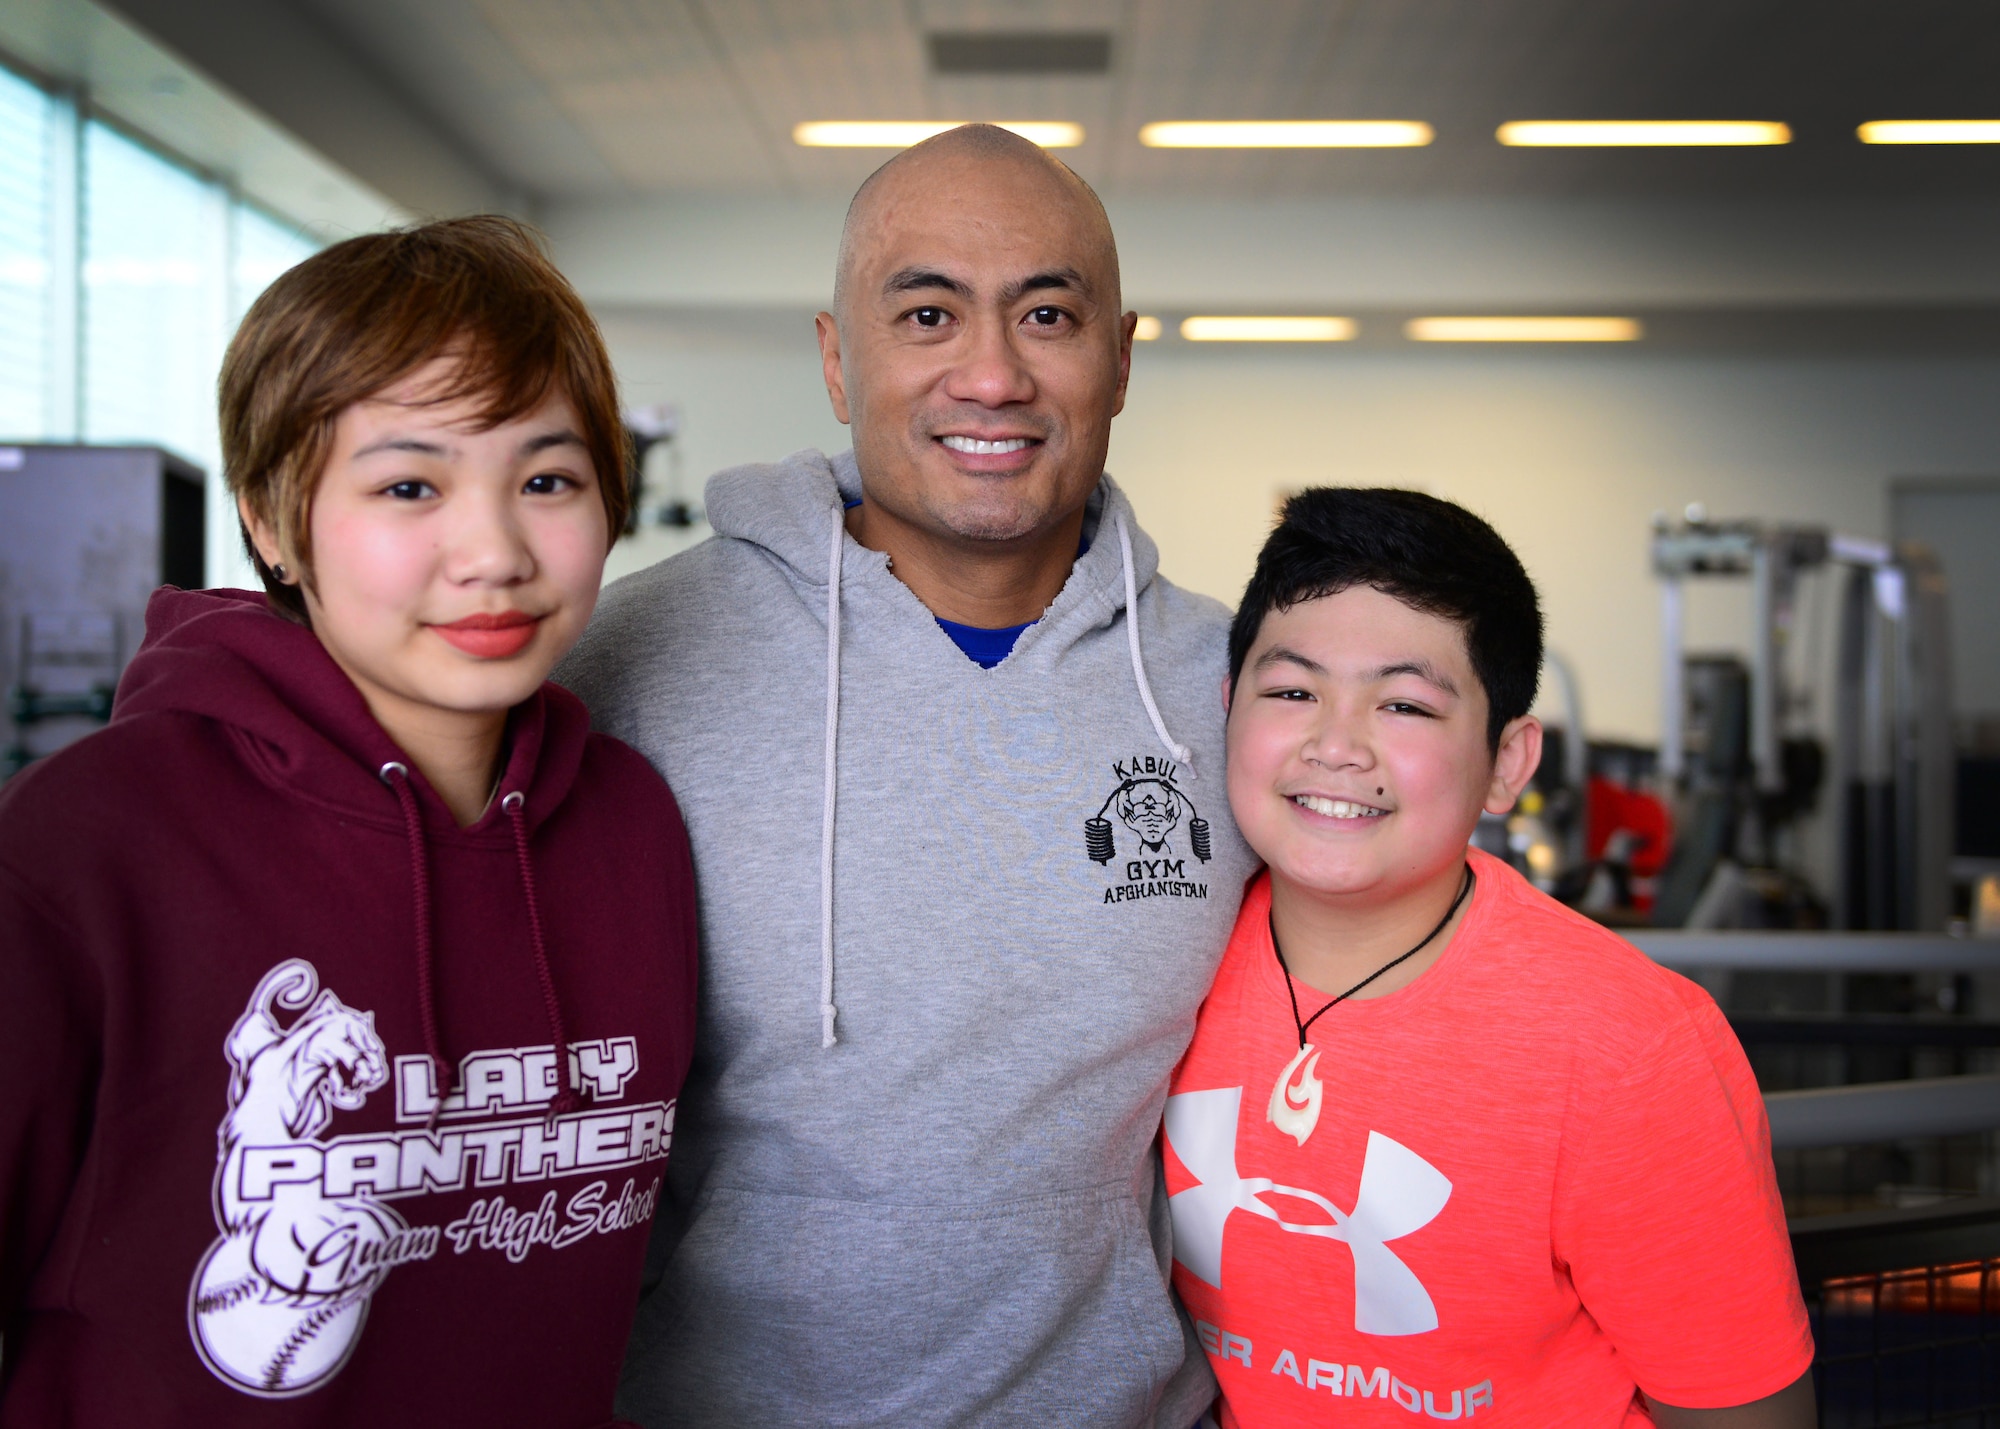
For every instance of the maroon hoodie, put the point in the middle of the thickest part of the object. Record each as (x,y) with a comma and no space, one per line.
(239,942)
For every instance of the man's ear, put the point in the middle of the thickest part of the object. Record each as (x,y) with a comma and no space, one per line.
(1128,323)
(1228,694)
(828,332)
(1520,754)
(263,536)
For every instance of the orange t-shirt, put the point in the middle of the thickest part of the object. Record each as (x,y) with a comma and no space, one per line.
(1540,1177)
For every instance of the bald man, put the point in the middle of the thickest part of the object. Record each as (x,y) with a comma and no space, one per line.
(950,753)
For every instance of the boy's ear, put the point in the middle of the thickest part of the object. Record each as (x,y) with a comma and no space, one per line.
(1520,754)
(262,534)
(1228,693)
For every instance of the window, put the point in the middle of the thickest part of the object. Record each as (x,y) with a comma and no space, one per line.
(123,274)
(153,301)
(263,248)
(25,239)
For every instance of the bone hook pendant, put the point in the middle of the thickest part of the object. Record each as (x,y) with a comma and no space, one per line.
(1294,1109)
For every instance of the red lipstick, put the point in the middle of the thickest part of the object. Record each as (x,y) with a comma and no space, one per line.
(491,637)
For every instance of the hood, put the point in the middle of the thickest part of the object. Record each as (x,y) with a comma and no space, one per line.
(796,510)
(790,509)
(225,656)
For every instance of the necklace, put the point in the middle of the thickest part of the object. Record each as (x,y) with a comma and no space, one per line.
(1294,1108)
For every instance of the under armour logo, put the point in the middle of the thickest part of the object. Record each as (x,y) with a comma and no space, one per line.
(1400,1193)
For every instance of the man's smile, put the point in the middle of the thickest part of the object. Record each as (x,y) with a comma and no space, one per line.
(978,446)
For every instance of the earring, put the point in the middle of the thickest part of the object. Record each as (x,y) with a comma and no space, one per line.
(279,571)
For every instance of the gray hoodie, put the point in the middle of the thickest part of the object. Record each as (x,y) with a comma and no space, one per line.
(956,923)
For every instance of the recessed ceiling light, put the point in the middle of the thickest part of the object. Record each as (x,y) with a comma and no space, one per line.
(1640,133)
(1489,329)
(1287,134)
(1146,329)
(1930,131)
(1020,52)
(1249,329)
(901,133)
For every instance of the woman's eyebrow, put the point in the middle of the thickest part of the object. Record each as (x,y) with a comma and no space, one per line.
(400,444)
(547,440)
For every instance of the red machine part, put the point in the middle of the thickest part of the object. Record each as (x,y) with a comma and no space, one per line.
(1645,821)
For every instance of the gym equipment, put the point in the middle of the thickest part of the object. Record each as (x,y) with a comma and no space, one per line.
(657,425)
(1742,776)
(1894,761)
(86,535)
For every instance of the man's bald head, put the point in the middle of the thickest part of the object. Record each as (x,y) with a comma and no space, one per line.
(978,351)
(943,168)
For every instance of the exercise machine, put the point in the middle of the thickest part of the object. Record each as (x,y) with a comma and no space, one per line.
(1742,772)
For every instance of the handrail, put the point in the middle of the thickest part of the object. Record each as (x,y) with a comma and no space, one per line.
(1870,1112)
(1816,952)
(1883,1111)
(1873,1241)
(1868,1029)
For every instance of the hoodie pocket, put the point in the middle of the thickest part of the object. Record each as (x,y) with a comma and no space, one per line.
(799,1309)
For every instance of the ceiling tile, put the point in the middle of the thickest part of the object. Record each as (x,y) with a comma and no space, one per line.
(660,96)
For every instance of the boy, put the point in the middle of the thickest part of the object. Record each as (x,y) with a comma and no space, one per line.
(1441,1146)
(346,979)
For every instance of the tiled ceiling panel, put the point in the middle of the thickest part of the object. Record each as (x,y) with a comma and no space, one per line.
(451,64)
(648,83)
(702,95)
(797,61)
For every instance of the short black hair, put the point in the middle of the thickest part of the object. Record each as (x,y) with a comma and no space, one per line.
(1432,555)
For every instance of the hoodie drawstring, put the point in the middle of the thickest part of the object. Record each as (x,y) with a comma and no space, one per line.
(1180,752)
(567,1099)
(397,777)
(827,1010)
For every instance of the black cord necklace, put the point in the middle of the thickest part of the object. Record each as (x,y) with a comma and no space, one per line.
(1464,887)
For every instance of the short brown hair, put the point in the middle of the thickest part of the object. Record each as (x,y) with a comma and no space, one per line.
(361,315)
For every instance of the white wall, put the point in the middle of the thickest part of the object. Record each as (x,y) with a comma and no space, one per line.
(1569,456)
(1595,254)
(744,398)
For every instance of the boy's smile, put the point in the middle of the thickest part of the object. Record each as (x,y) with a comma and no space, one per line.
(1358,767)
(1337,808)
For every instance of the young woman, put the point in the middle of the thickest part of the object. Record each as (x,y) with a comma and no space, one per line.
(346,979)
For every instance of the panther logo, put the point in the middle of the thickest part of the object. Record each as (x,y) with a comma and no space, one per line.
(278,1302)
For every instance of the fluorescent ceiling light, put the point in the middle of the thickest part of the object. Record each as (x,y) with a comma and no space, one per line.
(1287,134)
(1232,329)
(1642,133)
(1146,329)
(1483,329)
(900,133)
(1930,131)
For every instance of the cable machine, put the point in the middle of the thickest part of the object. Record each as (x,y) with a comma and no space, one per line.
(1740,775)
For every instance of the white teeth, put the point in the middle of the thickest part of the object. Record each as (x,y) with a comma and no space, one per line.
(973,446)
(1337,808)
